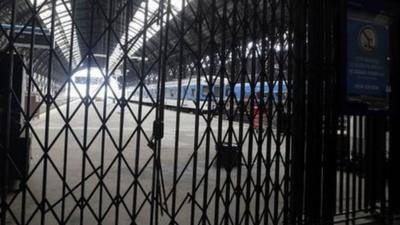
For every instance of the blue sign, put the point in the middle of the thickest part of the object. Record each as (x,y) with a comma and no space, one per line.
(367,69)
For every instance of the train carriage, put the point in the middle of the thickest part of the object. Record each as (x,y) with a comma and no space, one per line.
(189,93)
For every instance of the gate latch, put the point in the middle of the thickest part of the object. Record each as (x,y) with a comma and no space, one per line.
(158,133)
(158,129)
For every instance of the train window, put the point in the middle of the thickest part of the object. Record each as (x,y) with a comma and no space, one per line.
(217,89)
(193,92)
(96,80)
(205,90)
(80,80)
(83,80)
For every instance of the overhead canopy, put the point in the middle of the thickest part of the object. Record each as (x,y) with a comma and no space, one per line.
(102,32)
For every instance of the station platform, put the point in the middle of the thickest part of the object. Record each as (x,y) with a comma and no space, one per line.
(95,172)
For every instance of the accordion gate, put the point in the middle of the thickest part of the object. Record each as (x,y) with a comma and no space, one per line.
(128,154)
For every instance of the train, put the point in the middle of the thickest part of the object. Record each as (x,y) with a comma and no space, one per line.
(96,86)
(188,90)
(189,93)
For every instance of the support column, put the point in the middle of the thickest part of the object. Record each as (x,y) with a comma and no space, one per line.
(394,125)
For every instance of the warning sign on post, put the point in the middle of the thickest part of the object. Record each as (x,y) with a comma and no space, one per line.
(367,70)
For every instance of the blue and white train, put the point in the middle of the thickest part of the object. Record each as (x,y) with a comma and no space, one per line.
(189,92)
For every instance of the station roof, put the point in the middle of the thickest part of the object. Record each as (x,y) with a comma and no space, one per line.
(81,29)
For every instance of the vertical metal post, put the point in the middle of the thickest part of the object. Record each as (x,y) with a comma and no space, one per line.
(375,156)
(48,102)
(159,108)
(104,114)
(331,93)
(209,99)
(279,151)
(221,109)
(122,104)
(68,108)
(394,153)
(157,171)
(299,103)
(259,103)
(141,84)
(271,78)
(178,114)
(241,78)
(314,112)
(28,112)
(287,214)
(199,47)
(5,157)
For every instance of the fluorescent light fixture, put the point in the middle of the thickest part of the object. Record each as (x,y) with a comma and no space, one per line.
(100,55)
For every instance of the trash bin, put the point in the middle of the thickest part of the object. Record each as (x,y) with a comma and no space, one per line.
(228,156)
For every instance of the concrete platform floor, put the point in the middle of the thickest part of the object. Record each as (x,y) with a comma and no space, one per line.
(104,179)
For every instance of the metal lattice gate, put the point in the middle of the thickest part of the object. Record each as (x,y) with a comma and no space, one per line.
(113,154)
(168,112)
